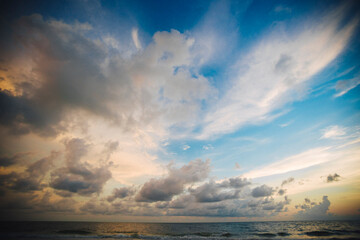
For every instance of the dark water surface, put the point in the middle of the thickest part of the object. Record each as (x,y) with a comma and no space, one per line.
(241,230)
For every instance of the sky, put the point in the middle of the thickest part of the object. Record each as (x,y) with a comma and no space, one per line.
(179,111)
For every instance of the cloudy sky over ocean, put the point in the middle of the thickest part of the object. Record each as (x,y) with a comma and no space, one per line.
(179,110)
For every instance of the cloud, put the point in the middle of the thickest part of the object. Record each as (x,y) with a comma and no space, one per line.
(237,166)
(182,202)
(271,205)
(281,192)
(186,147)
(287,181)
(235,183)
(207,147)
(262,191)
(46,204)
(165,188)
(282,9)
(68,76)
(315,212)
(6,161)
(79,177)
(333,132)
(344,86)
(135,38)
(231,208)
(119,193)
(274,72)
(95,208)
(331,178)
(32,179)
(157,88)
(303,160)
(212,192)
(283,125)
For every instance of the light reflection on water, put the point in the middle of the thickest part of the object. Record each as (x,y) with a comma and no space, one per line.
(243,230)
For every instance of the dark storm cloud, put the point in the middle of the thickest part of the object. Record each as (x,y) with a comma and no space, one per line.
(45,204)
(68,76)
(32,178)
(262,191)
(6,161)
(164,189)
(94,206)
(79,177)
(333,178)
(119,193)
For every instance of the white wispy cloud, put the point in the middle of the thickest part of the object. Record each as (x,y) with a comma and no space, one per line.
(186,147)
(282,9)
(344,86)
(135,38)
(208,147)
(274,72)
(286,124)
(303,160)
(333,132)
(331,157)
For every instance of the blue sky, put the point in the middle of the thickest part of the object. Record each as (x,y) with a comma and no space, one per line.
(207,110)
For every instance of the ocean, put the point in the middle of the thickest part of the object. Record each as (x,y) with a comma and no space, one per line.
(240,230)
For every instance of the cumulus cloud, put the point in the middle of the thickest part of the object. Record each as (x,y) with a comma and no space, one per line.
(164,189)
(68,76)
(182,202)
(262,191)
(235,183)
(331,178)
(77,176)
(119,193)
(232,208)
(76,74)
(56,73)
(271,205)
(316,211)
(211,192)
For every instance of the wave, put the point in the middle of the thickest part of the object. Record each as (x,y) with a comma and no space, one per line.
(319,233)
(330,233)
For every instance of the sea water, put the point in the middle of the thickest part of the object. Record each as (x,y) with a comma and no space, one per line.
(239,230)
